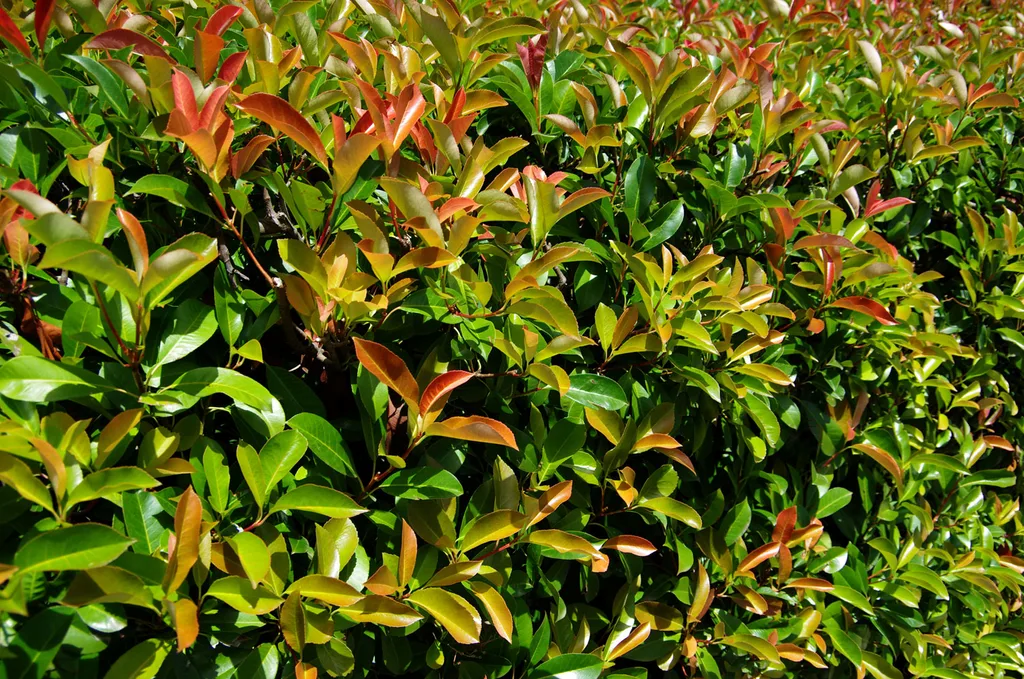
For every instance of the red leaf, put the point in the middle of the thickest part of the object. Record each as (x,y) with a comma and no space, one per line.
(532,56)
(280,115)
(119,38)
(231,67)
(214,104)
(9,31)
(882,206)
(185,99)
(436,394)
(866,305)
(207,48)
(758,556)
(44,12)
(222,19)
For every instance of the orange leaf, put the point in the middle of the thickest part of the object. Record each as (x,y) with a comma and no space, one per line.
(474,428)
(758,556)
(187,531)
(136,241)
(784,525)
(119,38)
(389,369)
(206,53)
(866,305)
(436,394)
(280,115)
(186,623)
(407,555)
(817,584)
(630,544)
(10,32)
(243,161)
(550,500)
(883,458)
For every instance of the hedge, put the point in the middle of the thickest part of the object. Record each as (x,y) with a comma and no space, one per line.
(492,338)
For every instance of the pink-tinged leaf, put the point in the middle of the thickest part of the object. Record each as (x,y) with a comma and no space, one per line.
(580,199)
(817,584)
(454,205)
(884,205)
(9,31)
(222,19)
(866,305)
(44,13)
(389,369)
(436,394)
(119,38)
(185,99)
(136,241)
(232,66)
(823,240)
(474,428)
(243,161)
(280,115)
(630,544)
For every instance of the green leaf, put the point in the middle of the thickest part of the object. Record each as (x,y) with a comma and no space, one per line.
(174,190)
(765,419)
(189,327)
(279,455)
(295,395)
(734,168)
(853,597)
(239,593)
(202,382)
(140,512)
(110,86)
(175,264)
(253,554)
(109,482)
(492,527)
(31,652)
(230,309)
(674,509)
(569,666)
(832,501)
(596,391)
(422,483)
(735,523)
(454,613)
(641,180)
(17,475)
(85,545)
(142,661)
(35,379)
(325,441)
(319,500)
(217,472)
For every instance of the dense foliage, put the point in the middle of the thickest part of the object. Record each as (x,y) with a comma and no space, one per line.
(493,338)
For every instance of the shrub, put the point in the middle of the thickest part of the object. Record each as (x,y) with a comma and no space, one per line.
(490,339)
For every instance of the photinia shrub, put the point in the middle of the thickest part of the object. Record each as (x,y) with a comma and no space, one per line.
(468,338)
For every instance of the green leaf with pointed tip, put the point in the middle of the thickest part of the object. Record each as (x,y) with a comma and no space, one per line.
(422,483)
(454,613)
(596,391)
(239,593)
(37,380)
(319,500)
(78,547)
(106,482)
